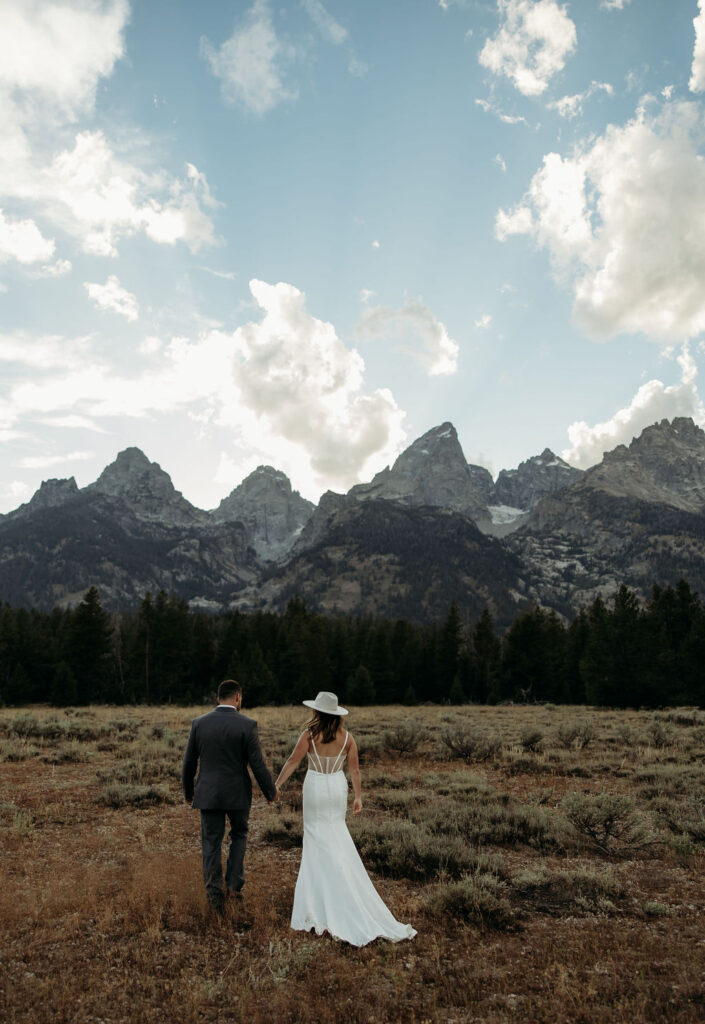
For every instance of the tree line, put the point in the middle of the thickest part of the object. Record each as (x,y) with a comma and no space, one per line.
(620,653)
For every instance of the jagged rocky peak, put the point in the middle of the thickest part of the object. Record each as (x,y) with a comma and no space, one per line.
(272,512)
(147,487)
(431,471)
(51,493)
(533,479)
(665,464)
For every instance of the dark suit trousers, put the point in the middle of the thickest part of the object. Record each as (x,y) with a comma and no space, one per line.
(212,832)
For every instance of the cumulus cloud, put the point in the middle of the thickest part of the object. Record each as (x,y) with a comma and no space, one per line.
(22,240)
(534,40)
(52,56)
(113,298)
(613,5)
(697,72)
(251,63)
(623,220)
(439,355)
(57,51)
(285,387)
(572,106)
(653,401)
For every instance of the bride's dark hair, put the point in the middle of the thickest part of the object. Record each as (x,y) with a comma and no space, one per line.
(324,725)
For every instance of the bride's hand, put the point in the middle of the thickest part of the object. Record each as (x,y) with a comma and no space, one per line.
(357,805)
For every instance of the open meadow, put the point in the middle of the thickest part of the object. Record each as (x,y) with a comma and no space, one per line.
(551,858)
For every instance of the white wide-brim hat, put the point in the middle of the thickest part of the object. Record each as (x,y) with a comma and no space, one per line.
(326,702)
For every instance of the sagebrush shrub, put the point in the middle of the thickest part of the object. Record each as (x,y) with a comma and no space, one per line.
(479,898)
(404,738)
(608,821)
(469,744)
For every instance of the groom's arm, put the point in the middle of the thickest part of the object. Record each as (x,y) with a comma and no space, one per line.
(256,762)
(189,765)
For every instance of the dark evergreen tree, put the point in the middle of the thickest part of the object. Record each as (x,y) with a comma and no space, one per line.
(89,649)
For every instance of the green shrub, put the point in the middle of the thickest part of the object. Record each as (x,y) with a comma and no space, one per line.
(531,741)
(576,735)
(285,831)
(469,744)
(404,738)
(607,821)
(126,795)
(556,892)
(479,899)
(402,850)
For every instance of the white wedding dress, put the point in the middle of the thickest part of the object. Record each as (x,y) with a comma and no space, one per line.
(333,891)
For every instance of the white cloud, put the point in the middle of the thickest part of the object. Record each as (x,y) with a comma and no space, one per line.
(366,294)
(490,108)
(58,51)
(22,240)
(653,402)
(324,21)
(572,106)
(613,5)
(499,160)
(113,298)
(52,56)
(251,63)
(72,422)
(534,39)
(45,461)
(484,322)
(624,222)
(439,355)
(285,388)
(98,198)
(375,244)
(697,72)
(17,489)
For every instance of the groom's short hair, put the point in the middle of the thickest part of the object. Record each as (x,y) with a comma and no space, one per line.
(229,688)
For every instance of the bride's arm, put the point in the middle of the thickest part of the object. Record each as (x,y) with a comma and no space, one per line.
(354,768)
(294,759)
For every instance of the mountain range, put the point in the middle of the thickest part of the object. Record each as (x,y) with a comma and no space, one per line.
(427,530)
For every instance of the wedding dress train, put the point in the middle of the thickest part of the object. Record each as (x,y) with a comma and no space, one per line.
(334,893)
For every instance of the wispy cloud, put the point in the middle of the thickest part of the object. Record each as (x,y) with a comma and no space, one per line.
(413,321)
(251,65)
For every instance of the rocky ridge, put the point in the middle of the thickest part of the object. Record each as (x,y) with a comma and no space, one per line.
(404,544)
(273,514)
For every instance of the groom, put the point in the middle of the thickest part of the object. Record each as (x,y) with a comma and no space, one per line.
(225,742)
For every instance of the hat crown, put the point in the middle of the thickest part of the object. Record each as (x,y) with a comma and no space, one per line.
(326,702)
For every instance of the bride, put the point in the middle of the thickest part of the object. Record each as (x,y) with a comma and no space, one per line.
(333,891)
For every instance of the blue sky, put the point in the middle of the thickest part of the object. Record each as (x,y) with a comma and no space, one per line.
(303,233)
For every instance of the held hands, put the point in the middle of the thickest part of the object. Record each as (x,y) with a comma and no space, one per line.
(276,798)
(357,805)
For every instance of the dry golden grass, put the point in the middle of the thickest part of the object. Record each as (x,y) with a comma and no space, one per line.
(104,918)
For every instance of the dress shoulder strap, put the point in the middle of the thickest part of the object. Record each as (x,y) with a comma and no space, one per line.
(315,752)
(340,757)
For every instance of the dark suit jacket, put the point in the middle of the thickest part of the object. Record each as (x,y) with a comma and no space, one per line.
(225,742)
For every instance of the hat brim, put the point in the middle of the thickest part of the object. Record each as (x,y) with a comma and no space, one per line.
(312,704)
